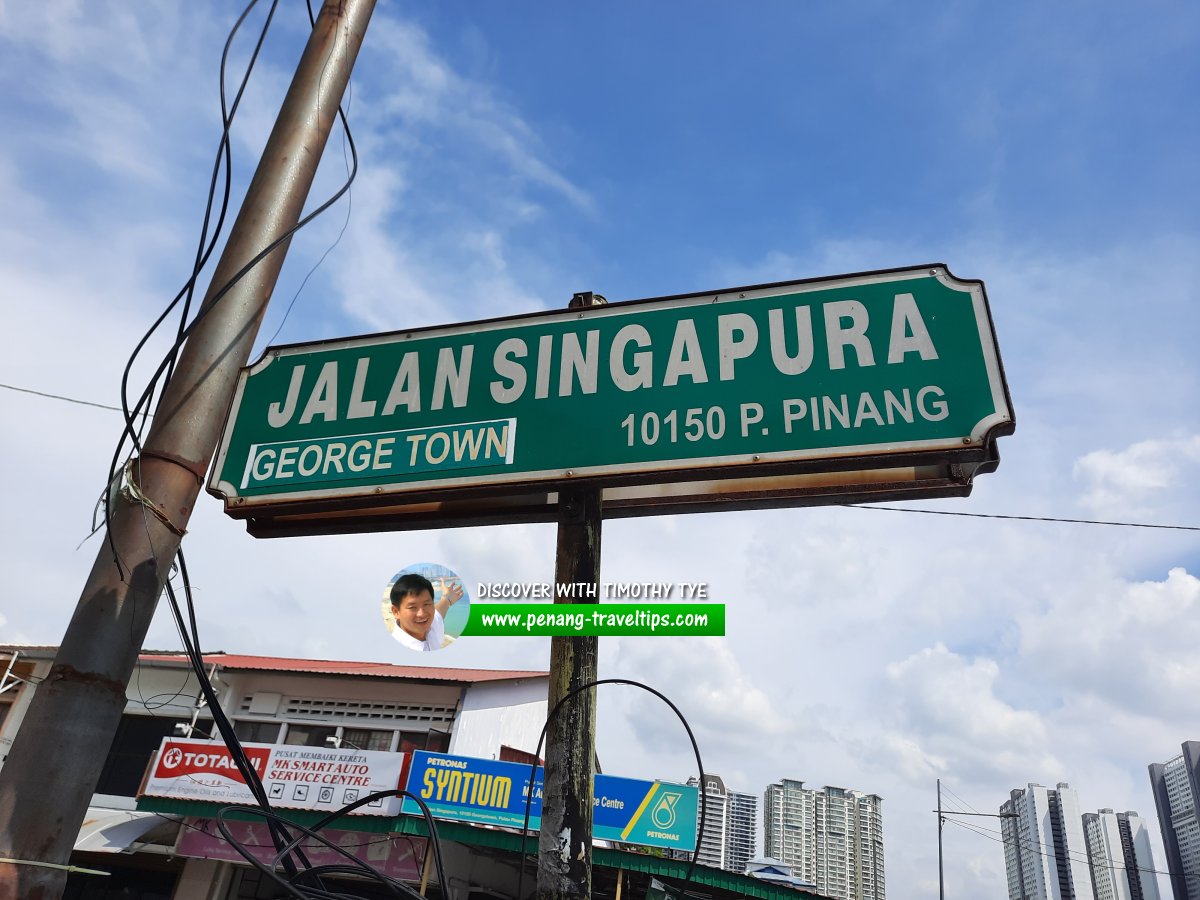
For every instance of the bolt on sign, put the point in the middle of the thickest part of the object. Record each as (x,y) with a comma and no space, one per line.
(879,385)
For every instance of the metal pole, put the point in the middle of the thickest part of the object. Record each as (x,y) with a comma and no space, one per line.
(56,758)
(941,876)
(565,841)
(426,866)
(942,813)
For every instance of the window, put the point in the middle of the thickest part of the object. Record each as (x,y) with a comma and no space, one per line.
(134,745)
(435,741)
(366,739)
(257,732)
(429,715)
(309,735)
(512,754)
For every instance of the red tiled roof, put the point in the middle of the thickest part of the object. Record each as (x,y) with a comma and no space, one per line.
(344,667)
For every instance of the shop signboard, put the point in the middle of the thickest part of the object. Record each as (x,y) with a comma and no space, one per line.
(492,792)
(294,777)
(853,374)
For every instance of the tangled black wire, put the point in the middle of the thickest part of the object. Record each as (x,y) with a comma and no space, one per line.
(222,172)
(307,883)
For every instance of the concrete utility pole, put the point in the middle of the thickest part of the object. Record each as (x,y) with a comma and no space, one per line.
(55,761)
(565,840)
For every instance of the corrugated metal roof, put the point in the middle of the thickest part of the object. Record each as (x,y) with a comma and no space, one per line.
(248,663)
(38,651)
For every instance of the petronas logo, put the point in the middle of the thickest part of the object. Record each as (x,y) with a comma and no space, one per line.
(663,813)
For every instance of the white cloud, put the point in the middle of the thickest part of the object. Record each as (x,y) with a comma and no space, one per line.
(425,90)
(948,707)
(1131,482)
(451,179)
(1132,644)
(727,709)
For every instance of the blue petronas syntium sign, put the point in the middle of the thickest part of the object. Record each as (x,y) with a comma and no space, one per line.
(492,792)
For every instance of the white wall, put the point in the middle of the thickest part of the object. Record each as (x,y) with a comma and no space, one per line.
(22,695)
(500,712)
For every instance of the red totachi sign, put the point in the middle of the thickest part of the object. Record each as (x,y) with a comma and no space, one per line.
(183,759)
(293,777)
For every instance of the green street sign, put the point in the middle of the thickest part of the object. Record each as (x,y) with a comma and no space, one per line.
(883,373)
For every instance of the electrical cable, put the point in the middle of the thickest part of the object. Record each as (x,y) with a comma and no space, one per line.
(960,800)
(142,406)
(189,634)
(294,884)
(224,154)
(263,254)
(970,515)
(281,829)
(23,390)
(312,20)
(538,752)
(899,509)
(185,331)
(202,828)
(1040,849)
(288,846)
(149,703)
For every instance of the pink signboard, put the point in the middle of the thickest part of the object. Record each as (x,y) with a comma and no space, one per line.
(397,856)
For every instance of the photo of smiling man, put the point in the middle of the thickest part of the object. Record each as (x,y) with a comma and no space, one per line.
(418,603)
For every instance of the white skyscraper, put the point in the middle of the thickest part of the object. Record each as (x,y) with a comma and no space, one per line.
(1045,853)
(740,844)
(1176,785)
(1119,856)
(831,837)
(728,838)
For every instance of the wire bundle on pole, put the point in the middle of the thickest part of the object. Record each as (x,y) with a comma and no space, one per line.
(138,412)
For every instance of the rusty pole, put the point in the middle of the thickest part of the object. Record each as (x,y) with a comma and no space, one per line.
(565,840)
(55,761)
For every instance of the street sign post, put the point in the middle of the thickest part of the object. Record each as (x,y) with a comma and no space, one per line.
(875,386)
(878,385)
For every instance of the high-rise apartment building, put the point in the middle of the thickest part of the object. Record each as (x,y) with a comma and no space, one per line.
(1176,786)
(740,845)
(1119,855)
(727,841)
(831,837)
(1045,854)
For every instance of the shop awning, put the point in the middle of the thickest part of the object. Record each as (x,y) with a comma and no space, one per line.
(114,830)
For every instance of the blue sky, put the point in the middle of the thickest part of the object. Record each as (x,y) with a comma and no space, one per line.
(512,154)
